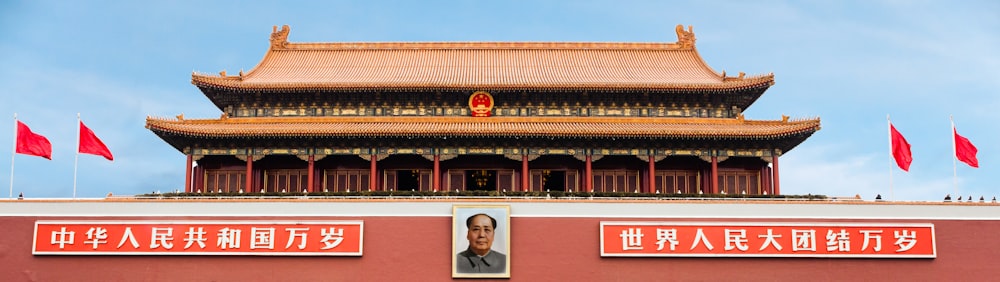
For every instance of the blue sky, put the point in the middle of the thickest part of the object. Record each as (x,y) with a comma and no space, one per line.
(850,63)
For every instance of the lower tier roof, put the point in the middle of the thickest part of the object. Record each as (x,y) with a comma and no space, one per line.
(177,131)
(482,127)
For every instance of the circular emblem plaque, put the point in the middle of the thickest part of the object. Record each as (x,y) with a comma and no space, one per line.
(481,104)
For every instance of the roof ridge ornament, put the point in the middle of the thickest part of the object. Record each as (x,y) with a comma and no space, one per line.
(279,38)
(685,38)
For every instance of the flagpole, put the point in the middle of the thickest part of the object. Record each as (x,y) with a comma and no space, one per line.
(76,160)
(13,152)
(889,129)
(954,155)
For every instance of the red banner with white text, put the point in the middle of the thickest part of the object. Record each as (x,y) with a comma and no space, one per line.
(270,238)
(692,239)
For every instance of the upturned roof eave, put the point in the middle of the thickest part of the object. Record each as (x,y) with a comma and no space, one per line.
(210,82)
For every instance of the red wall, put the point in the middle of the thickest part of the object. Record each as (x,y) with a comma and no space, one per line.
(543,249)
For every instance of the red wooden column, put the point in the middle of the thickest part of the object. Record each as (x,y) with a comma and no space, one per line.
(249,183)
(652,175)
(310,174)
(588,174)
(198,178)
(437,172)
(770,182)
(774,163)
(187,173)
(372,173)
(524,173)
(715,176)
(765,180)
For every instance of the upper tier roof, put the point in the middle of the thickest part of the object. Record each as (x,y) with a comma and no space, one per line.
(482,65)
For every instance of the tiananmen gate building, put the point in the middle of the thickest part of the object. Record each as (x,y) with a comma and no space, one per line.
(495,116)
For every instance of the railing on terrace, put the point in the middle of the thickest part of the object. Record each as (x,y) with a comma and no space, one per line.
(415,197)
(484,195)
(258,197)
(523,196)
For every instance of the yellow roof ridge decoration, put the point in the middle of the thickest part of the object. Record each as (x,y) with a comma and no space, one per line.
(482,65)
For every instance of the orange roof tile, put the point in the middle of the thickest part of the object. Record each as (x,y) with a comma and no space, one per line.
(481,127)
(482,65)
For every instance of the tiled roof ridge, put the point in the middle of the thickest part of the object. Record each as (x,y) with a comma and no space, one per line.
(279,41)
(481,45)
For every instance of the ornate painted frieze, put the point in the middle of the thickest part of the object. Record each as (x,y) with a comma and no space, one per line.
(554,151)
(619,151)
(254,157)
(645,158)
(357,104)
(418,151)
(378,157)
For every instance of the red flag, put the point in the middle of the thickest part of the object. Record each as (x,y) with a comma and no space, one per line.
(965,151)
(90,144)
(900,149)
(29,143)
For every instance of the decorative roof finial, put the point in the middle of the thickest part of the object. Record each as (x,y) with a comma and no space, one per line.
(279,38)
(685,38)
